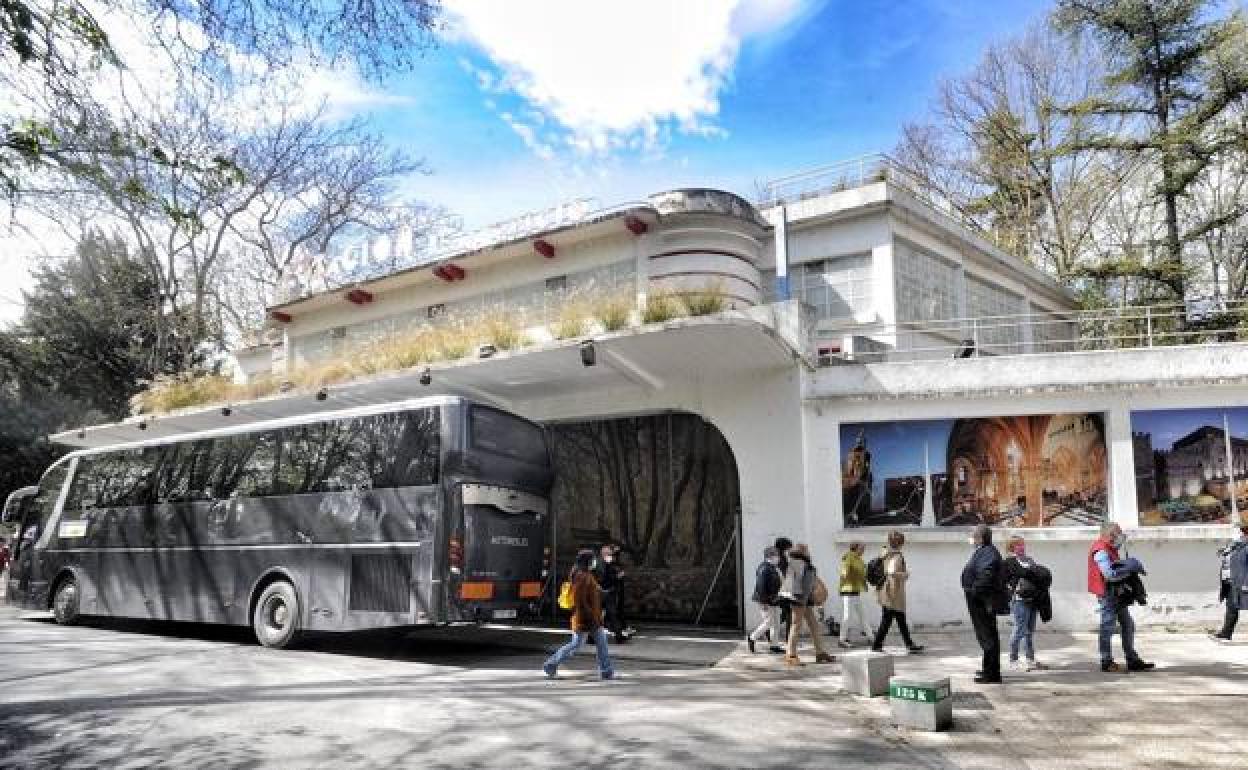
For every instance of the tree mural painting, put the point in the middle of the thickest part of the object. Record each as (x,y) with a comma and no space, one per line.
(1021,471)
(665,488)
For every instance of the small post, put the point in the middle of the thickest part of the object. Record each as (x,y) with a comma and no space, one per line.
(975,336)
(1148,323)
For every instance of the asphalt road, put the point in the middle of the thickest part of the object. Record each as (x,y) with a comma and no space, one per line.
(141,695)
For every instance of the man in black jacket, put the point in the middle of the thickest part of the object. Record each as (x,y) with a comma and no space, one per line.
(982,583)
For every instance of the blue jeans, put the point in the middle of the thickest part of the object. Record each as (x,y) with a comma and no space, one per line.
(578,639)
(1114,613)
(1024,616)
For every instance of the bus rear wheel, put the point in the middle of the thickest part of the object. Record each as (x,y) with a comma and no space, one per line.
(65,602)
(276,617)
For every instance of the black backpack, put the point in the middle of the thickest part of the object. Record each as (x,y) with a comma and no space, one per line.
(875,572)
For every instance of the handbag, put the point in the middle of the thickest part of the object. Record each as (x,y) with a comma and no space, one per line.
(566,601)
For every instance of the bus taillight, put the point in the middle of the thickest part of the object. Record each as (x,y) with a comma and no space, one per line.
(480,591)
(530,590)
(455,555)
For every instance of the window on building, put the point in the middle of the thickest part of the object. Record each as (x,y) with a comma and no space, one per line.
(987,304)
(837,288)
(928,287)
(557,283)
(435,311)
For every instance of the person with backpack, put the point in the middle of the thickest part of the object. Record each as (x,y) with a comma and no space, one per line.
(853,583)
(586,600)
(767,580)
(888,575)
(983,583)
(1027,584)
(798,591)
(1234,584)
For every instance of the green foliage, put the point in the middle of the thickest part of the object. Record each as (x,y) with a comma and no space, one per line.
(662,305)
(709,300)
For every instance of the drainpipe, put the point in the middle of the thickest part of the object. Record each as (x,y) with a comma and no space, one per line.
(1230,470)
(782,253)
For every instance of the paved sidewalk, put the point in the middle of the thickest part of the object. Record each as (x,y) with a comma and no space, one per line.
(160,695)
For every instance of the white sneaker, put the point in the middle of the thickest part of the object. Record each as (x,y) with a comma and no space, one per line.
(1035,665)
(1018,665)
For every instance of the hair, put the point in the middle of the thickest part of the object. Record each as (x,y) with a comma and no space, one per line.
(584,560)
(783,544)
(896,539)
(1107,527)
(1013,541)
(855,546)
(983,534)
(801,550)
(770,551)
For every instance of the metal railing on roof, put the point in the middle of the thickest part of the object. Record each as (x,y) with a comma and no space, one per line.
(1195,322)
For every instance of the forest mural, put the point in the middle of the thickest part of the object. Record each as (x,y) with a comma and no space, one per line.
(665,488)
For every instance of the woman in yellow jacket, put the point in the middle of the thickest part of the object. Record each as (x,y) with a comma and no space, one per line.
(853,585)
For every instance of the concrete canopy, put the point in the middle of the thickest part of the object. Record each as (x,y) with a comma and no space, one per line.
(644,360)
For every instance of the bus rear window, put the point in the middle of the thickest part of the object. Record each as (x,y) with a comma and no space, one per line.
(504,434)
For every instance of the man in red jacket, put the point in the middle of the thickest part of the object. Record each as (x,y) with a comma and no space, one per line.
(1106,569)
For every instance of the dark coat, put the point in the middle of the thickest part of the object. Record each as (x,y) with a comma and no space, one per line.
(1237,589)
(982,575)
(1030,582)
(608,575)
(767,581)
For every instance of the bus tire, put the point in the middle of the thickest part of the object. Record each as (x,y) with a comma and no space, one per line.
(65,606)
(275,619)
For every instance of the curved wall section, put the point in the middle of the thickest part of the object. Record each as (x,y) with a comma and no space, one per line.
(708,238)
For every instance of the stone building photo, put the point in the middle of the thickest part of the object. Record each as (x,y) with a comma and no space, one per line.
(1028,471)
(665,488)
(1187,470)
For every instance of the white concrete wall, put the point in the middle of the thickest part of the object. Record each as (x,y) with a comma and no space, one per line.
(1181,558)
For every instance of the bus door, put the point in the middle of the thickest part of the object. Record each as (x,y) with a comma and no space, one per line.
(15,514)
(27,581)
(504,533)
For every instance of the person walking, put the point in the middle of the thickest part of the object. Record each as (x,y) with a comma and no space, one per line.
(891,594)
(1107,572)
(853,583)
(609,577)
(982,583)
(1027,586)
(1234,588)
(796,590)
(783,544)
(586,619)
(767,581)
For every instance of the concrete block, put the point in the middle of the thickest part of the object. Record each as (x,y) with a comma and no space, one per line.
(866,673)
(922,704)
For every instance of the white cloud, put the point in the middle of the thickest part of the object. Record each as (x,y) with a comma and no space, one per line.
(613,76)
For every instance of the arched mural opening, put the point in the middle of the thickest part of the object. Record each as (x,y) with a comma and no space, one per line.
(665,488)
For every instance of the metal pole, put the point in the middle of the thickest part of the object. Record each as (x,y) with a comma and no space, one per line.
(975,335)
(731,542)
(1230,469)
(1148,320)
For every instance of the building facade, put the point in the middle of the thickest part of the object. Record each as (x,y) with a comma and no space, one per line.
(904,383)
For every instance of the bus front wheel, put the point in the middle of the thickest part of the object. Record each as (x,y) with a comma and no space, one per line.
(65,602)
(276,617)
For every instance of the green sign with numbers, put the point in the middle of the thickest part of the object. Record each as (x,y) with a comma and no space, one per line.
(920,694)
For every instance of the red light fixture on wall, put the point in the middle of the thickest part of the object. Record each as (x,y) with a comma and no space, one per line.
(635,225)
(544,247)
(359,296)
(280,317)
(450,272)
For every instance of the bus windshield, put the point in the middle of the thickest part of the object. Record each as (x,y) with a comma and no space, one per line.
(504,434)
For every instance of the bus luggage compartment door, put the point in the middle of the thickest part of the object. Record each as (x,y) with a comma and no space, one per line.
(504,533)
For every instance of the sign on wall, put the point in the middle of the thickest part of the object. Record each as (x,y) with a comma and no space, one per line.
(1191,465)
(1027,471)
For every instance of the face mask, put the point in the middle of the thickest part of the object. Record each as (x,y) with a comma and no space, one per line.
(971,542)
(773,560)
(608,559)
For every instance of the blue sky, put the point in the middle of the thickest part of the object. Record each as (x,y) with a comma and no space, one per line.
(526,104)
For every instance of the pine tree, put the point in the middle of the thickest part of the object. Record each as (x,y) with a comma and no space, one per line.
(1172,72)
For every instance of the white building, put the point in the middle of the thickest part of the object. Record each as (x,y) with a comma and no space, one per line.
(712,435)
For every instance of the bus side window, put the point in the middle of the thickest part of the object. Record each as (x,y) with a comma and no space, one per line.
(38,511)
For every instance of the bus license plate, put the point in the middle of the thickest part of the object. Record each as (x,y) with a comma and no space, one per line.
(504,614)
